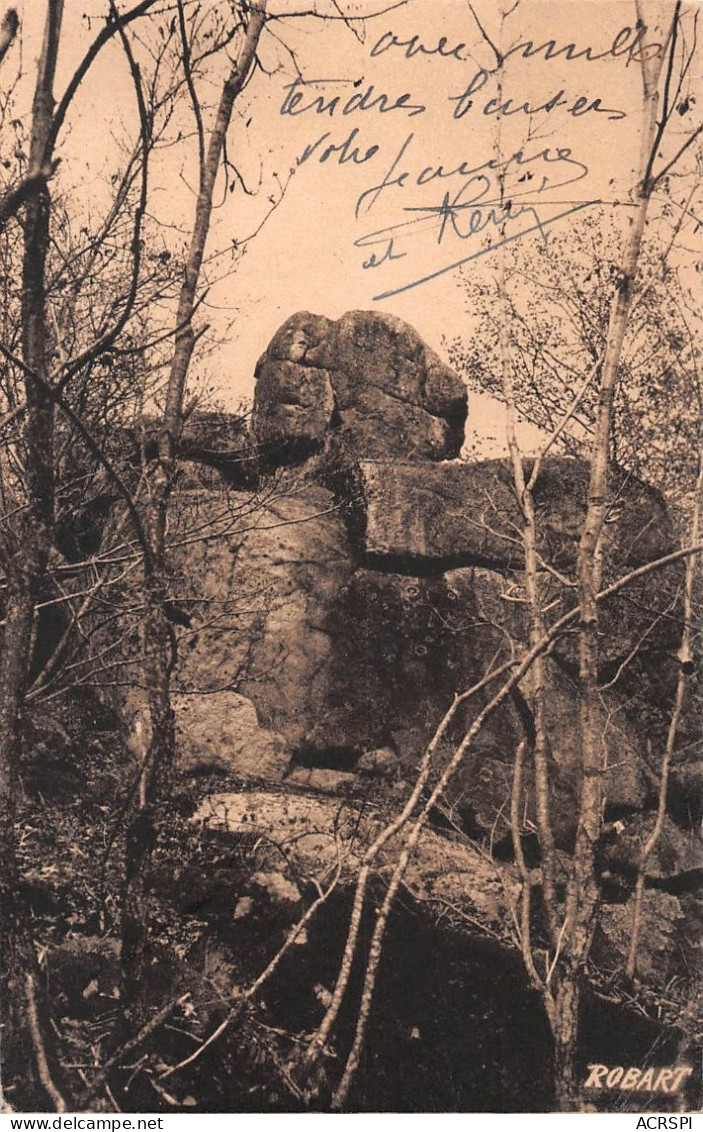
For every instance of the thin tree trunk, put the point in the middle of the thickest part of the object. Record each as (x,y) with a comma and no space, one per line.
(27,542)
(14,665)
(538,744)
(158,638)
(685,661)
(567,1087)
(582,897)
(524,491)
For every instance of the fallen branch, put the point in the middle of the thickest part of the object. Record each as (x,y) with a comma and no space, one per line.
(39,1050)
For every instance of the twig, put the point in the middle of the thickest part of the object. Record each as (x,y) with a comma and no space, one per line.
(261,979)
(129,1047)
(39,1051)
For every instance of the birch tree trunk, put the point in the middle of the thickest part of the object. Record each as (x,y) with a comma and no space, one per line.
(524,490)
(582,897)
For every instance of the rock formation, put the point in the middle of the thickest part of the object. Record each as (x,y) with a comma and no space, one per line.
(341,600)
(369,375)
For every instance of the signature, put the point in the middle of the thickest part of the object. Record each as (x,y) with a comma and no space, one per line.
(552,167)
(462,219)
(463,212)
(502,198)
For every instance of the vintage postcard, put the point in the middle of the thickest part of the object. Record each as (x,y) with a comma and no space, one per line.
(350,539)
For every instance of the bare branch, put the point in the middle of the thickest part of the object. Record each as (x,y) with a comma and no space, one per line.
(8,31)
(38,1043)
(116,24)
(106,340)
(90,442)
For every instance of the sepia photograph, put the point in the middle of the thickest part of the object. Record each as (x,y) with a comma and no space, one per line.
(351,478)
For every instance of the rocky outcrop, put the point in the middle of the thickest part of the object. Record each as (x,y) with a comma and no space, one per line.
(426,518)
(337,578)
(370,377)
(338,605)
(319,835)
(264,597)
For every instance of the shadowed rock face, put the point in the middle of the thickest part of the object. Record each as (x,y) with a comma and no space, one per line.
(368,375)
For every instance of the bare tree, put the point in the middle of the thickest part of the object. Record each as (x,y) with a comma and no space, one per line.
(577,400)
(158,658)
(29,501)
(582,896)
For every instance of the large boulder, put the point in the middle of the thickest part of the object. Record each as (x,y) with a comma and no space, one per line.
(335,611)
(221,732)
(316,835)
(261,596)
(498,605)
(428,517)
(338,660)
(395,665)
(479,795)
(626,781)
(368,375)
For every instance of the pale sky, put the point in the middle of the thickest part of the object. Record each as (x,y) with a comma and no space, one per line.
(305,256)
